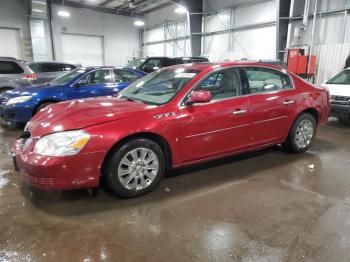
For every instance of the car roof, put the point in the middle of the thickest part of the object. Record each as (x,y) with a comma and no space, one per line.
(54,62)
(8,58)
(106,67)
(204,66)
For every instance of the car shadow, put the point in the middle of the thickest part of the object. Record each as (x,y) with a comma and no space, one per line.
(180,182)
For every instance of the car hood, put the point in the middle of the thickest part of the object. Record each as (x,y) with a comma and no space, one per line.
(29,90)
(78,114)
(338,90)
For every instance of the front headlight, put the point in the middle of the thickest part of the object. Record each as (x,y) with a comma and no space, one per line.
(62,143)
(19,99)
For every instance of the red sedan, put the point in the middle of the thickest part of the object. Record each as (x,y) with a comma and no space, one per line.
(174,117)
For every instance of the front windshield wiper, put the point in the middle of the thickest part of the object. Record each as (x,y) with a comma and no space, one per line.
(138,100)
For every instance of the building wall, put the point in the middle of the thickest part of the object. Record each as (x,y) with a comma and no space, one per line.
(248,39)
(331,36)
(166,33)
(120,36)
(14,14)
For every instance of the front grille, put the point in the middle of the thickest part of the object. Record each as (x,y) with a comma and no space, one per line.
(340,100)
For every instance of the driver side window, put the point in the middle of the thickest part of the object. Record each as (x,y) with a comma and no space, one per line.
(222,85)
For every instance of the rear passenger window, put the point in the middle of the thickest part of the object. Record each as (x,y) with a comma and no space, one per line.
(8,67)
(222,85)
(52,67)
(264,80)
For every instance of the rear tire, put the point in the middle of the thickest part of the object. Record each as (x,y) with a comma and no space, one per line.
(301,135)
(134,169)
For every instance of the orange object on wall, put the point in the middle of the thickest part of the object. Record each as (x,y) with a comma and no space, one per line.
(301,64)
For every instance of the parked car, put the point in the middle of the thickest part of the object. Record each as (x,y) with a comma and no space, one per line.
(339,88)
(47,71)
(14,74)
(174,117)
(135,63)
(152,64)
(19,105)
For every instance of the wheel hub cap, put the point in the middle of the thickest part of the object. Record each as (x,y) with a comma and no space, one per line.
(138,168)
(304,133)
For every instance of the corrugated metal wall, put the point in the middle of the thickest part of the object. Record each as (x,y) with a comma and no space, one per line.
(330,60)
(255,42)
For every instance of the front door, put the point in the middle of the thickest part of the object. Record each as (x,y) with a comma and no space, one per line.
(96,83)
(220,126)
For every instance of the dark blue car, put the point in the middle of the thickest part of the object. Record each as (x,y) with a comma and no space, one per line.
(19,105)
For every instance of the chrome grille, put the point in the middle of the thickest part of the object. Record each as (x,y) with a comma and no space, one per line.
(340,100)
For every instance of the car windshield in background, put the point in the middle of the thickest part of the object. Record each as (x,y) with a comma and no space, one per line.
(64,79)
(159,87)
(136,63)
(342,78)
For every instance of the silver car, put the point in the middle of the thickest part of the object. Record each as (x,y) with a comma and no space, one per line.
(47,71)
(14,74)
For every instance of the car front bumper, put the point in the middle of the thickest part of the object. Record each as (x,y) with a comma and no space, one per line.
(16,113)
(57,173)
(340,111)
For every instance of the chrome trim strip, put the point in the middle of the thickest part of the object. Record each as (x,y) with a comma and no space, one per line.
(234,127)
(271,119)
(216,131)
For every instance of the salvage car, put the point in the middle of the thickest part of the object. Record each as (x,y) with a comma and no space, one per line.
(177,116)
(339,88)
(19,105)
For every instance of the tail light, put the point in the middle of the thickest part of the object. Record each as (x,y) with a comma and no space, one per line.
(30,76)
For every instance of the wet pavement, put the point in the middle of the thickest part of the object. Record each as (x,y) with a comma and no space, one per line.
(263,206)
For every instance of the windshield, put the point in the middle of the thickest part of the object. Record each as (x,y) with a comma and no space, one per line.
(159,87)
(343,78)
(65,78)
(136,63)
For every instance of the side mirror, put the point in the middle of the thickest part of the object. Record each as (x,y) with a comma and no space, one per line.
(200,96)
(81,82)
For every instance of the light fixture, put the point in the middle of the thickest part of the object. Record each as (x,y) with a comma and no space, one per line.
(181,10)
(139,23)
(63,13)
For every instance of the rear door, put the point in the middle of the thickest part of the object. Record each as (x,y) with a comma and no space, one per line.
(220,126)
(272,103)
(96,83)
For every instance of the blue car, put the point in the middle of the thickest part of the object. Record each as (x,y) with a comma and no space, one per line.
(19,105)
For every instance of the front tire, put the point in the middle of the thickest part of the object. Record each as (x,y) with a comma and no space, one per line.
(301,135)
(134,169)
(41,106)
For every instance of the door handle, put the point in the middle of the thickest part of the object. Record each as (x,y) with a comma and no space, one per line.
(288,102)
(238,112)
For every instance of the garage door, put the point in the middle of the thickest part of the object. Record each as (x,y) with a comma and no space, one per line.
(87,50)
(10,43)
